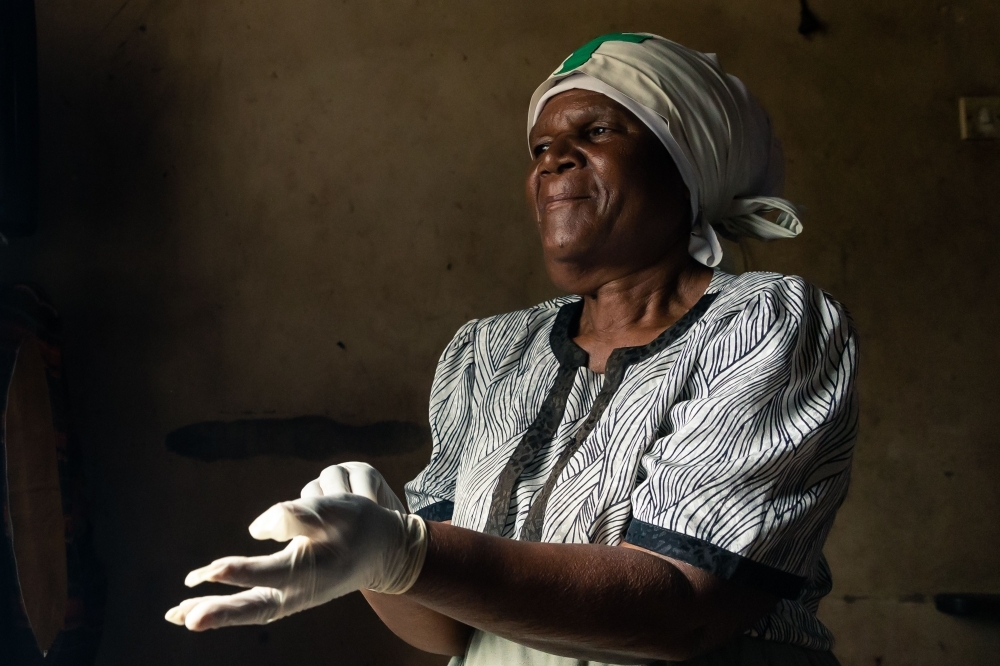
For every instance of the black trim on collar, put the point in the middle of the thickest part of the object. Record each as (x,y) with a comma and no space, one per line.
(568,353)
(572,355)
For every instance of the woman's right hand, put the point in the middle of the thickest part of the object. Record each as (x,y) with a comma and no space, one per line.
(419,626)
(357,478)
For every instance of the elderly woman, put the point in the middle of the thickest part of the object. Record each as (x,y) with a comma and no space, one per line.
(644,471)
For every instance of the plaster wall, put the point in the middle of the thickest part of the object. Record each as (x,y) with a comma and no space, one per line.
(261,209)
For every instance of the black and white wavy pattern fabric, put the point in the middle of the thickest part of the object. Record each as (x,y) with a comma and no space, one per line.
(728,447)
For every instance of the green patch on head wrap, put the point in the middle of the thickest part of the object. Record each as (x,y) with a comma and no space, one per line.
(583,54)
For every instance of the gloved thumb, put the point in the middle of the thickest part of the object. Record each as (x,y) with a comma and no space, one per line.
(287,520)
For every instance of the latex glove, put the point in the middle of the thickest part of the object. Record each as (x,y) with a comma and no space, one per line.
(354,477)
(338,544)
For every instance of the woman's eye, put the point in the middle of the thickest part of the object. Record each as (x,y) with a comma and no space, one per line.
(541,148)
(598,131)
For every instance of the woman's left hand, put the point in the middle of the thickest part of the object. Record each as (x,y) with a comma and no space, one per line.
(358,478)
(337,544)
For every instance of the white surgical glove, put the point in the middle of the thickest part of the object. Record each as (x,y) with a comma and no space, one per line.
(338,544)
(358,478)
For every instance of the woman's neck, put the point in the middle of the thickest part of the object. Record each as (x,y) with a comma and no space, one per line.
(634,309)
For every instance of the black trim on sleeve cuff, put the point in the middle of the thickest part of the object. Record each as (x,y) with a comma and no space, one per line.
(715,560)
(439,511)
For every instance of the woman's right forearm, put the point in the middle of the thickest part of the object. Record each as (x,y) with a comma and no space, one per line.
(419,626)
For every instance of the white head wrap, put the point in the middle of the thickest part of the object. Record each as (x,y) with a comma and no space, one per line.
(718,135)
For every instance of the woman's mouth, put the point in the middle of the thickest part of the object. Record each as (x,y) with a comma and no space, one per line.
(557,199)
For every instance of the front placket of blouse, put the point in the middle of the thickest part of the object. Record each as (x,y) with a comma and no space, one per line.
(541,431)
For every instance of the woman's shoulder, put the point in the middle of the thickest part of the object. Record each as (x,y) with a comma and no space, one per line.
(500,333)
(736,291)
(758,294)
(518,322)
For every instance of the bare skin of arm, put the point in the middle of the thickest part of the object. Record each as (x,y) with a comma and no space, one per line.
(421,627)
(600,603)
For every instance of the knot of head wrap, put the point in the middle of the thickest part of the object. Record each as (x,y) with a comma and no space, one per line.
(717,133)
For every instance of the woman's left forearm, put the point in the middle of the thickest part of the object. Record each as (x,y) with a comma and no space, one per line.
(584,601)
(418,625)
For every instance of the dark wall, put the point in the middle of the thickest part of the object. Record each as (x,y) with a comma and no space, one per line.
(257,209)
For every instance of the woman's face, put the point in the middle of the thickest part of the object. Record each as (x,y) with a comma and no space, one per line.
(606,195)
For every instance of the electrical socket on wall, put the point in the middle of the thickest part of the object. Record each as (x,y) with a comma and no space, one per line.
(979,117)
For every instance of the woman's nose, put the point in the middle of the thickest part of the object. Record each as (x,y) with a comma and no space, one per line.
(562,155)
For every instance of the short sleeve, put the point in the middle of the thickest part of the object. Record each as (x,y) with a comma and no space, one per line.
(755,458)
(432,493)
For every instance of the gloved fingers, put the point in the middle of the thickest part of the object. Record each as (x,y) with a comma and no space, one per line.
(356,478)
(279,522)
(368,482)
(335,480)
(364,480)
(178,613)
(257,606)
(312,489)
(287,520)
(263,571)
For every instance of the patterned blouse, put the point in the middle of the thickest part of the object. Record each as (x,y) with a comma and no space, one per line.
(725,443)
